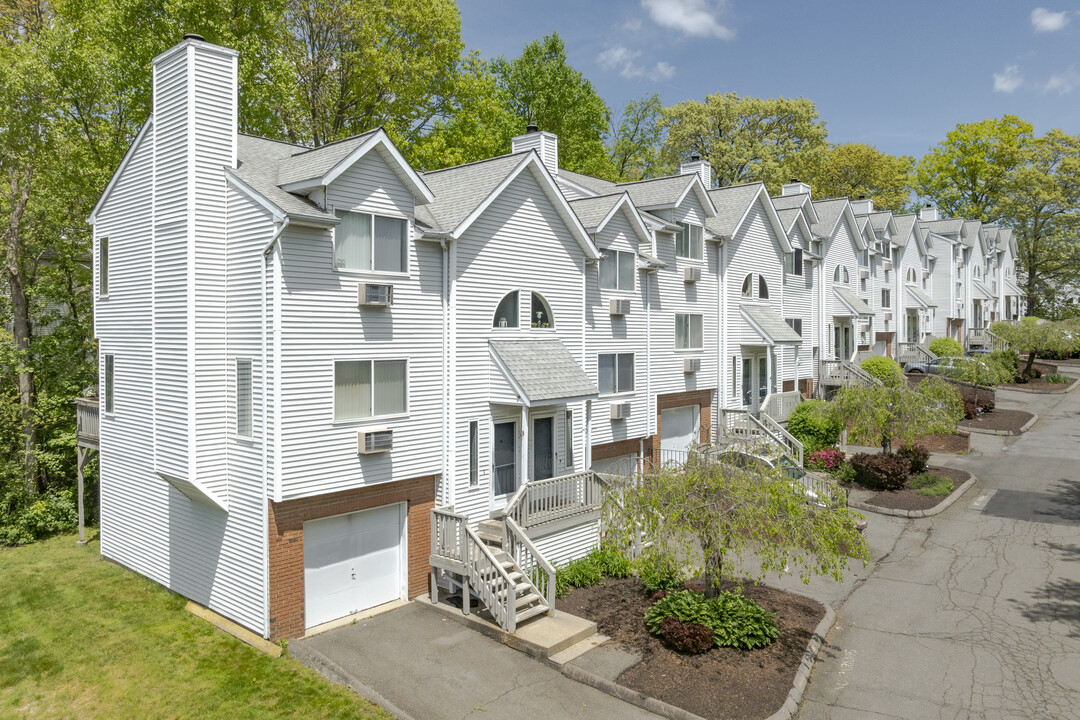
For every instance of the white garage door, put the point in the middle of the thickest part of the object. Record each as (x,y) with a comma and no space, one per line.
(679,428)
(353,562)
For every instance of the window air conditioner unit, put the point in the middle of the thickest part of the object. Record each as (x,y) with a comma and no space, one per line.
(864,273)
(691,365)
(374,294)
(691,275)
(620,306)
(888,315)
(620,411)
(925,273)
(959,264)
(887,264)
(374,441)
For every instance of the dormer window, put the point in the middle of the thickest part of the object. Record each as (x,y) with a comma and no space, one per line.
(540,314)
(506,314)
(617,270)
(370,242)
(690,242)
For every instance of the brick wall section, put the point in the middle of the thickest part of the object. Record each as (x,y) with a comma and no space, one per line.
(287,542)
(702,398)
(967,390)
(806,387)
(621,447)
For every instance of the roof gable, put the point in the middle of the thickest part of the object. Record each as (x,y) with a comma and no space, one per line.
(596,213)
(733,206)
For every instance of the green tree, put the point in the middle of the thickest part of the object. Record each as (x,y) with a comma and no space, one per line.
(1034,336)
(1042,205)
(543,88)
(743,138)
(711,516)
(967,173)
(635,140)
(855,169)
(880,414)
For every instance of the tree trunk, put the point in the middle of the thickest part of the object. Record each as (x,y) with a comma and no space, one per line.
(1030,363)
(20,311)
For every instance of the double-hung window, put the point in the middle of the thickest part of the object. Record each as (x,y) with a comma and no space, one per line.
(370,242)
(110,398)
(369,388)
(886,297)
(617,270)
(795,324)
(243,397)
(616,373)
(793,262)
(690,242)
(688,332)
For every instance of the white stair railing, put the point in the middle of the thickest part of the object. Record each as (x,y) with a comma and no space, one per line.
(538,572)
(552,499)
(778,406)
(914,353)
(790,444)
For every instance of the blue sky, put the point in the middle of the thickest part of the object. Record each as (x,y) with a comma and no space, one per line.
(897,75)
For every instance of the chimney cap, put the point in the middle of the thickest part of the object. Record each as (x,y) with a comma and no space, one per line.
(929,205)
(531,128)
(694,157)
(793,180)
(194,36)
(861,197)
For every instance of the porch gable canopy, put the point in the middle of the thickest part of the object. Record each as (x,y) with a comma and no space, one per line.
(541,372)
(853,302)
(770,326)
(982,291)
(920,297)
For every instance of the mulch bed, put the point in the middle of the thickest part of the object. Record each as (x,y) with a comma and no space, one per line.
(908,499)
(1005,420)
(1039,384)
(721,683)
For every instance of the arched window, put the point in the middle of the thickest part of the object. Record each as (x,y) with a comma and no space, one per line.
(540,314)
(911,275)
(976,271)
(836,274)
(506,314)
(762,288)
(748,286)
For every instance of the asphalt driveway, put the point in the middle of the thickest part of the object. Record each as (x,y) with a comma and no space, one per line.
(431,667)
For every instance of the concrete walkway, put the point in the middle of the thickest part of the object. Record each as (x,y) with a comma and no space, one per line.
(432,668)
(974,613)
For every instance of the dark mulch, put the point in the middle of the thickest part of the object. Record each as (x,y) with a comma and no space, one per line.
(722,683)
(1039,384)
(1006,420)
(908,499)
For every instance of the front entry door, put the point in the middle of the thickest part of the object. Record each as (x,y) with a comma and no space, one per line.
(755,380)
(913,326)
(842,341)
(543,456)
(504,462)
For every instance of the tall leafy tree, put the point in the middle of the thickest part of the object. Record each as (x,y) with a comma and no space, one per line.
(543,88)
(854,169)
(744,138)
(967,173)
(636,139)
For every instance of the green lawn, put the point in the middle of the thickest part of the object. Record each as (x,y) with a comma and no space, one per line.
(81,637)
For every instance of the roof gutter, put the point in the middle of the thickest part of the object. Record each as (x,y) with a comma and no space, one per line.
(274,238)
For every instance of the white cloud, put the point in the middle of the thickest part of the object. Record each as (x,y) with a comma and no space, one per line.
(1043,20)
(623,59)
(632,25)
(690,17)
(1063,82)
(1008,80)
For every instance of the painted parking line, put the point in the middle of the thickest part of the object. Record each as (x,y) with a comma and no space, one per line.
(979,503)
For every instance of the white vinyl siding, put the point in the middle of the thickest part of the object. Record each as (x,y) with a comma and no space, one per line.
(688,331)
(243,397)
(615,373)
(365,388)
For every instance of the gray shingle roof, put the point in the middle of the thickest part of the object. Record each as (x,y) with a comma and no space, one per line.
(829,213)
(945,227)
(920,297)
(654,193)
(460,190)
(880,220)
(787,217)
(543,369)
(597,185)
(982,289)
(969,232)
(789,202)
(314,163)
(592,211)
(765,322)
(852,301)
(731,206)
(258,160)
(904,225)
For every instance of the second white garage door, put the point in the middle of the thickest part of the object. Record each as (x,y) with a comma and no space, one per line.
(353,562)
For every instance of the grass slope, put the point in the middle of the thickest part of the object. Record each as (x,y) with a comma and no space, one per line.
(81,637)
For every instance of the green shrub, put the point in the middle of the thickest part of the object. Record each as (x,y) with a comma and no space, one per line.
(946,347)
(50,514)
(813,426)
(917,454)
(612,563)
(881,471)
(600,563)
(735,621)
(885,369)
(658,572)
(932,485)
(1008,359)
(1056,378)
(845,473)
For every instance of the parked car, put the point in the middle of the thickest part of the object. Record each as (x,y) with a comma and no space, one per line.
(978,353)
(939,366)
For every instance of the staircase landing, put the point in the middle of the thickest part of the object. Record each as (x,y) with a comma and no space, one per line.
(542,636)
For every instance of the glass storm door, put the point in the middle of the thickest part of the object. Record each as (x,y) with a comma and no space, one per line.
(543,438)
(504,462)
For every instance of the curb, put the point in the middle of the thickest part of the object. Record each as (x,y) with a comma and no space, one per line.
(1023,428)
(1067,389)
(338,675)
(658,707)
(939,508)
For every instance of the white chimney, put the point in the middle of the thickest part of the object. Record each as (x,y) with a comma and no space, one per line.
(928,213)
(544,143)
(862,205)
(795,188)
(698,167)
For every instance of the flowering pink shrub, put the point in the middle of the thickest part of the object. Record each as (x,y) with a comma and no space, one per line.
(827,459)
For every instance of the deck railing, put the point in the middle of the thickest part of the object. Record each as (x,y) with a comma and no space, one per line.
(87,426)
(740,425)
(792,447)
(842,372)
(910,352)
(530,563)
(554,499)
(778,406)
(984,338)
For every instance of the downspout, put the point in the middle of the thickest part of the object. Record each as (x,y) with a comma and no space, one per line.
(721,341)
(449,493)
(281,225)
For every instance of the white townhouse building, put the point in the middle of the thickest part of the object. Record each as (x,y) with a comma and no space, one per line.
(801,283)
(847,316)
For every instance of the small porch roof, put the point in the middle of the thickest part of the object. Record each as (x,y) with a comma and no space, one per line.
(852,302)
(1011,286)
(541,372)
(982,290)
(764,321)
(920,297)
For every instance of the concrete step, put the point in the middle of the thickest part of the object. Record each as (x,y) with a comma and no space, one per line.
(530,612)
(577,649)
